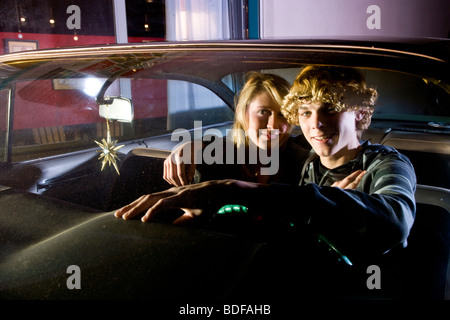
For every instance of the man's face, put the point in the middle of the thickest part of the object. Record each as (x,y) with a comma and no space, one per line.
(331,134)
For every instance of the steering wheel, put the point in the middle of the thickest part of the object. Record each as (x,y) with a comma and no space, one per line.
(239,220)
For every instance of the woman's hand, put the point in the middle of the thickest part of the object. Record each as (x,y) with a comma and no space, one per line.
(178,171)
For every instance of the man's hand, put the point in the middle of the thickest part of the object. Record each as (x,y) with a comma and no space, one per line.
(191,199)
(351,181)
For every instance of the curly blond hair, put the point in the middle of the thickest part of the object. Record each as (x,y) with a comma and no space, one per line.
(343,88)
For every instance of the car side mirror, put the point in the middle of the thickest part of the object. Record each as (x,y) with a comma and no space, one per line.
(116,108)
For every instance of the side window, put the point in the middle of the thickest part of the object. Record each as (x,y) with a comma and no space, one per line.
(55,116)
(162,106)
(406,97)
(189,102)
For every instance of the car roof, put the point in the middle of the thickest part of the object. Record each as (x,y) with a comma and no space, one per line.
(210,61)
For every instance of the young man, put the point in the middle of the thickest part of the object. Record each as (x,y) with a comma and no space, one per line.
(362,215)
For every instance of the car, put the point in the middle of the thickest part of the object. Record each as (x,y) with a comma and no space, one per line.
(85,130)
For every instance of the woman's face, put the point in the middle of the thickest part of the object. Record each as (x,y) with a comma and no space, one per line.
(266,123)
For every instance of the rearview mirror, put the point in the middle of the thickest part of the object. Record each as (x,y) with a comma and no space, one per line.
(117,108)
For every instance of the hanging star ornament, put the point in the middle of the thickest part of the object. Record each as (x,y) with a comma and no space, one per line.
(108,150)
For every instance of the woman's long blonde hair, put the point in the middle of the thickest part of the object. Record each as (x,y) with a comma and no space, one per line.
(255,83)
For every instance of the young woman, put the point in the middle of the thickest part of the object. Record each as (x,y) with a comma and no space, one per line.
(259,127)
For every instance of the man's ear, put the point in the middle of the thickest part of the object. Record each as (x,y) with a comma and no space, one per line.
(359,115)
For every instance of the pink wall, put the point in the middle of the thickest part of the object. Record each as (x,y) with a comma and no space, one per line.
(46,41)
(38,104)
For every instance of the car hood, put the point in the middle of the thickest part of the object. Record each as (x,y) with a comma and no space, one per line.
(117,259)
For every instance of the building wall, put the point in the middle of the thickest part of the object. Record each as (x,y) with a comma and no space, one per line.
(324,18)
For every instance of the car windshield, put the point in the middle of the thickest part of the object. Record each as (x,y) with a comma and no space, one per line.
(86,131)
(55,108)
